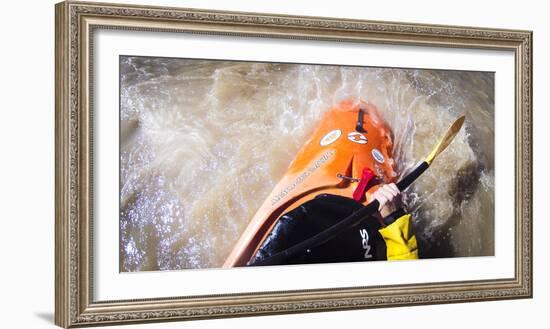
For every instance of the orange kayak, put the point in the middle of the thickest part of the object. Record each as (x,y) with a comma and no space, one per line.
(350,138)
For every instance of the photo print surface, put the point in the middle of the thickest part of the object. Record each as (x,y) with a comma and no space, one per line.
(225,163)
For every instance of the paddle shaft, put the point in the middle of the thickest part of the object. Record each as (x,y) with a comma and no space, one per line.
(350,221)
(412,176)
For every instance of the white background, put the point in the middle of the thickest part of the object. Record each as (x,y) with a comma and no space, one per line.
(110,284)
(27,162)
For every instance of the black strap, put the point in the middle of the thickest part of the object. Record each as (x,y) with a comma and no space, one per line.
(360,120)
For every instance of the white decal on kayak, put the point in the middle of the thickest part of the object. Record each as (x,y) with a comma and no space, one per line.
(318,163)
(331,137)
(365,243)
(357,137)
(377,155)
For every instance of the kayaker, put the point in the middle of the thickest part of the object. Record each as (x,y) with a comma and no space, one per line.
(344,165)
(388,236)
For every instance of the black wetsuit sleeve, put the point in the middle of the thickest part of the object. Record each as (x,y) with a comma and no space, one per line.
(388,220)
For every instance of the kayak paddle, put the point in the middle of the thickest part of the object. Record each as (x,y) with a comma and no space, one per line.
(355,218)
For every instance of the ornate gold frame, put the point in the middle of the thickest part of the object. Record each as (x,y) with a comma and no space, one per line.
(76,21)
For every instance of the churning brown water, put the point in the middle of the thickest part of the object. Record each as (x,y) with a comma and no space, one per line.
(204,142)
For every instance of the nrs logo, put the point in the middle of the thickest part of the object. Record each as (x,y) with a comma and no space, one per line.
(365,243)
(357,137)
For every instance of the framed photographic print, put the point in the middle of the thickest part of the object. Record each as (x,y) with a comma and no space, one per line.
(214,164)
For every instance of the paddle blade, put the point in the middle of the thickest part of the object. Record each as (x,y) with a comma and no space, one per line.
(447,139)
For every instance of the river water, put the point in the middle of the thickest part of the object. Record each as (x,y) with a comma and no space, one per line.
(202,143)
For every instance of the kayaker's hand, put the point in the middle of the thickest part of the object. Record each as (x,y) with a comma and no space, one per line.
(386,196)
